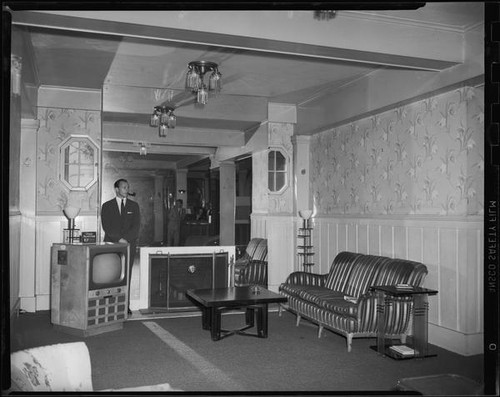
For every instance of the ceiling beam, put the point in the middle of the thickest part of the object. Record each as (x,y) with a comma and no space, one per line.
(127,99)
(346,39)
(131,146)
(201,137)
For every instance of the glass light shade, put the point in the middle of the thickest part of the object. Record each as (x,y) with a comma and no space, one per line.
(193,79)
(214,83)
(171,120)
(162,131)
(155,119)
(202,96)
(305,214)
(164,117)
(71,212)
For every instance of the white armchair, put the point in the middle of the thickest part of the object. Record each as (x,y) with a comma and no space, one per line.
(59,368)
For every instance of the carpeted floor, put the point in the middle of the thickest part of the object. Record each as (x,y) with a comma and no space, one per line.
(156,349)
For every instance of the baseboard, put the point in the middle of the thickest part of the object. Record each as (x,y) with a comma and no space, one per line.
(28,304)
(43,302)
(457,342)
(14,310)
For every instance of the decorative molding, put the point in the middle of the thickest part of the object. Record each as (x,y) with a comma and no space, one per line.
(33,124)
(391,19)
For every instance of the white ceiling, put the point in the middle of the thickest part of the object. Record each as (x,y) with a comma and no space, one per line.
(133,62)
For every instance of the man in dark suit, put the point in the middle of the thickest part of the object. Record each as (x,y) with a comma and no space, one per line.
(121,220)
(175,217)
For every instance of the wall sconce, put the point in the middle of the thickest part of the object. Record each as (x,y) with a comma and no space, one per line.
(143,147)
(15,74)
(181,191)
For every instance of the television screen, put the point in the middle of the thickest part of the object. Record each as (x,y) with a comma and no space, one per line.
(107,268)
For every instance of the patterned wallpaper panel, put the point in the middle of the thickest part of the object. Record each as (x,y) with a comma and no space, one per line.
(422,158)
(55,126)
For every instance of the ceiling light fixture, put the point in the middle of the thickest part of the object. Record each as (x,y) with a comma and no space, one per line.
(195,80)
(323,15)
(164,118)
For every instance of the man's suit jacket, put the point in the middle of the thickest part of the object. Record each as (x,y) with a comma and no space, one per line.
(175,216)
(115,227)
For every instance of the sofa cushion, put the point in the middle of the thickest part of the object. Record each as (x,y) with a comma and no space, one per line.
(363,273)
(340,270)
(317,294)
(339,305)
(309,293)
(398,271)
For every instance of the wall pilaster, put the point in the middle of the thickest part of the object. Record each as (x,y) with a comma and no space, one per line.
(227,203)
(27,207)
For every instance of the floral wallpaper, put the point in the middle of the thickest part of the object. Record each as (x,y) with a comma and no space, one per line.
(421,158)
(56,125)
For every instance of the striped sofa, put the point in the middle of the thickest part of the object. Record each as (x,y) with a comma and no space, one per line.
(342,301)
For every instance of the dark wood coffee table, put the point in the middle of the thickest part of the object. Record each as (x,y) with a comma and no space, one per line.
(214,301)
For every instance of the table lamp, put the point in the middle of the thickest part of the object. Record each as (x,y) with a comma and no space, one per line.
(71,234)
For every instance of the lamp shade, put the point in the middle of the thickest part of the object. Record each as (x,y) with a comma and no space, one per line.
(305,214)
(71,212)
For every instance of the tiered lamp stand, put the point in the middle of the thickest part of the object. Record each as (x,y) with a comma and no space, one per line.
(305,248)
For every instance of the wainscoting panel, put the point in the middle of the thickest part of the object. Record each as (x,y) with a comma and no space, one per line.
(281,249)
(450,248)
(448,276)
(414,244)
(373,240)
(49,230)
(362,238)
(14,252)
(400,247)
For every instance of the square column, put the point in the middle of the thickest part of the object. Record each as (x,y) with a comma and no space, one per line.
(227,203)
(301,168)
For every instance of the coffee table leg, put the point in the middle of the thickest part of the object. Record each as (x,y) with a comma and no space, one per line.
(262,321)
(206,318)
(215,323)
(250,316)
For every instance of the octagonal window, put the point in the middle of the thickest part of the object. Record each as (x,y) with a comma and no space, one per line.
(277,170)
(78,163)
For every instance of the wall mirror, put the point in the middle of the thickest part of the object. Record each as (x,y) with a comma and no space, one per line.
(78,158)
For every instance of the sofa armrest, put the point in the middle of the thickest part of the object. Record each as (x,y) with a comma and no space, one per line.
(397,314)
(305,278)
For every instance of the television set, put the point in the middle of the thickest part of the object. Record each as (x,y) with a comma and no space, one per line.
(89,287)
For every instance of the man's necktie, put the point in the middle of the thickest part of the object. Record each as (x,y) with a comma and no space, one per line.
(122,209)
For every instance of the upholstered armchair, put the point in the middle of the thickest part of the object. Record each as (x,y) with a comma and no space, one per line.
(254,273)
(255,250)
(63,367)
